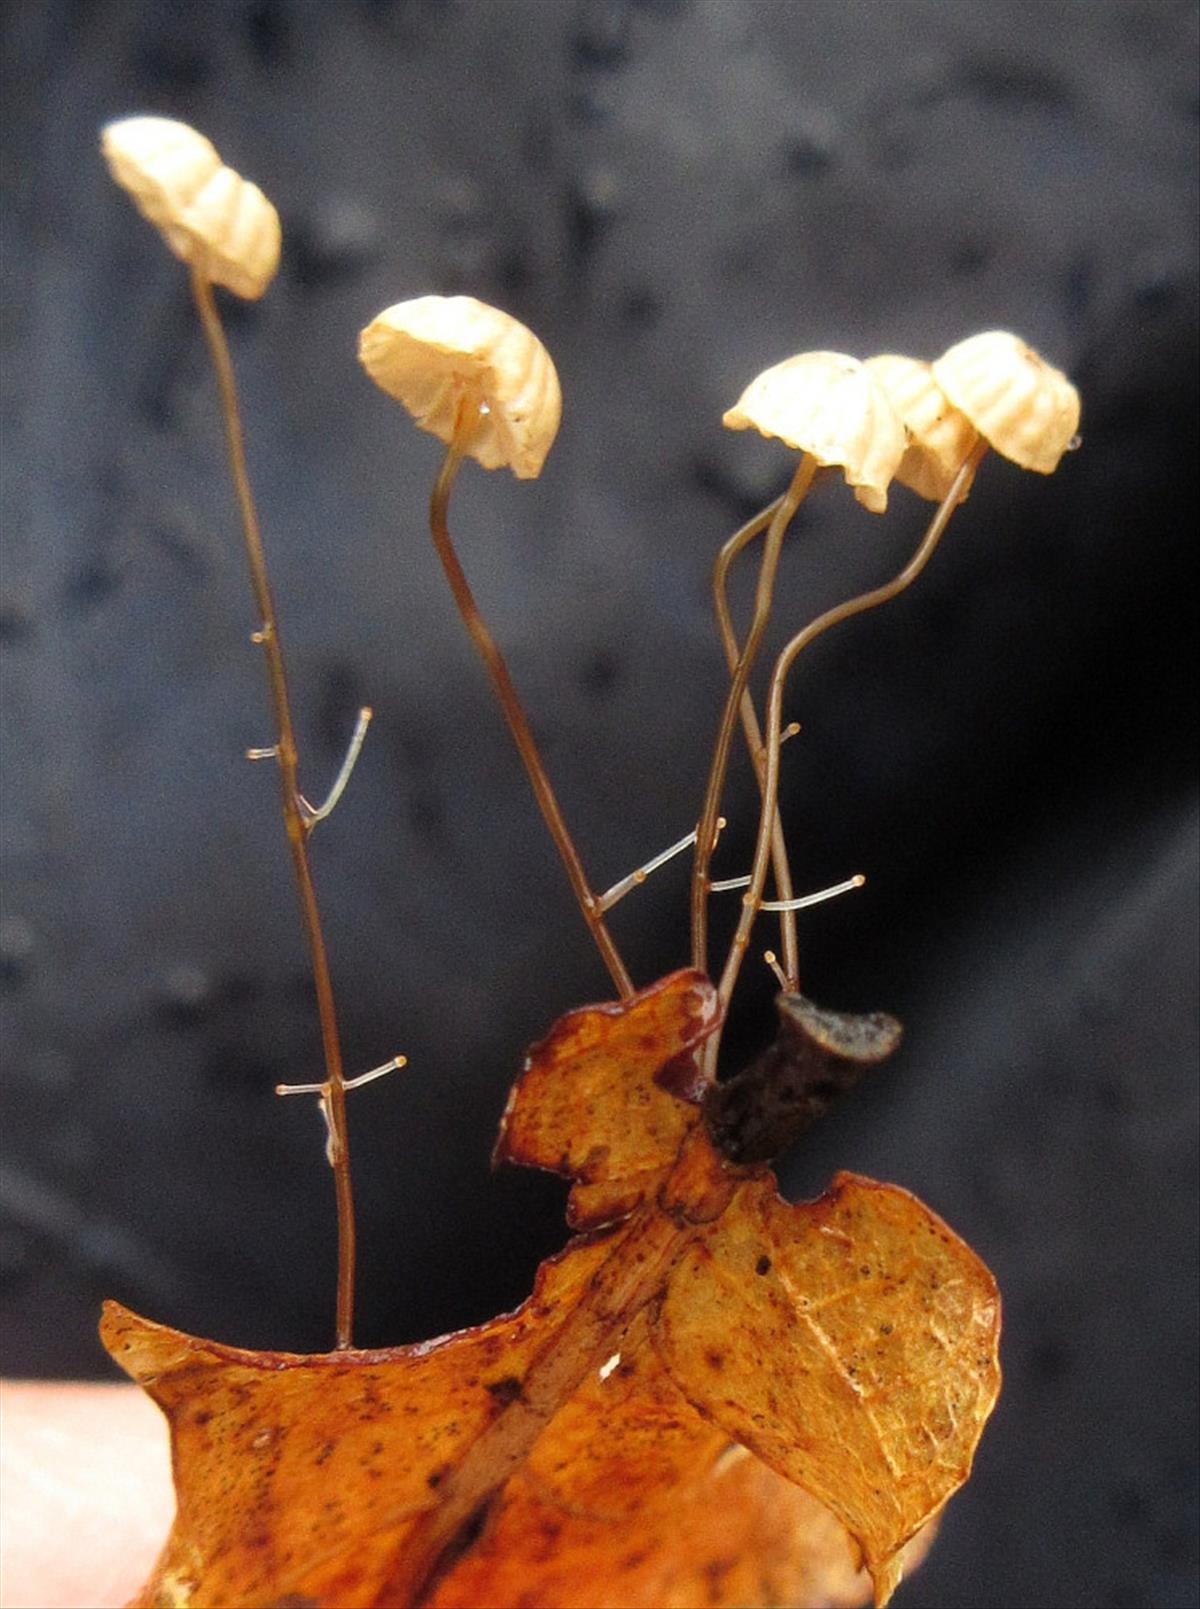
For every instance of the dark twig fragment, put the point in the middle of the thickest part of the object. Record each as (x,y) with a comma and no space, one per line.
(815,1056)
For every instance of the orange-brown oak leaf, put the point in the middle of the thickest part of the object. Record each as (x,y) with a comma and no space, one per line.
(608,1097)
(629,1497)
(851,1342)
(301,1477)
(846,1347)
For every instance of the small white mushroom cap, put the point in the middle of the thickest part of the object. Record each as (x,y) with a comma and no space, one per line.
(1022,406)
(828,405)
(210,217)
(940,437)
(436,354)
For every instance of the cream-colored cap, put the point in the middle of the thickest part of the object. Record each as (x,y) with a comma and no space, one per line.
(828,405)
(435,351)
(1023,407)
(210,217)
(940,437)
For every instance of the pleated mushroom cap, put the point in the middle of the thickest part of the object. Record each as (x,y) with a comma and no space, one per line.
(436,353)
(1020,404)
(210,217)
(235,233)
(940,437)
(163,165)
(827,404)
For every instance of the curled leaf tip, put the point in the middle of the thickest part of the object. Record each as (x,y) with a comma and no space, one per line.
(609,1096)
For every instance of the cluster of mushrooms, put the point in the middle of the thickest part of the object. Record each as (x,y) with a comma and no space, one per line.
(485,386)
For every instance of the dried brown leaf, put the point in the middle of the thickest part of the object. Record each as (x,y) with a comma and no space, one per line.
(850,1342)
(631,1498)
(592,1101)
(303,1476)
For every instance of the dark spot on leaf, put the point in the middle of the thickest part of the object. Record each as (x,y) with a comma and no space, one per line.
(505,1390)
(461,1543)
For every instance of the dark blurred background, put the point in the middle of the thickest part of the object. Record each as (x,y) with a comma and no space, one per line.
(674,194)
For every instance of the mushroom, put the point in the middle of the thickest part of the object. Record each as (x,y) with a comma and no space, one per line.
(485,385)
(829,406)
(218,223)
(227,233)
(1020,404)
(442,354)
(940,438)
(1022,407)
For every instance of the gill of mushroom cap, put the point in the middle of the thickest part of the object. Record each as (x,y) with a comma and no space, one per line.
(940,437)
(485,385)
(218,223)
(828,405)
(1021,405)
(227,233)
(432,351)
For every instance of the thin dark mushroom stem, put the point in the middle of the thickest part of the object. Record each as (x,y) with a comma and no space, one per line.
(514,713)
(781,517)
(816,628)
(780,866)
(297,825)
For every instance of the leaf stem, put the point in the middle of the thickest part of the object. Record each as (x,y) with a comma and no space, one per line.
(832,617)
(295,822)
(514,715)
(780,866)
(781,517)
